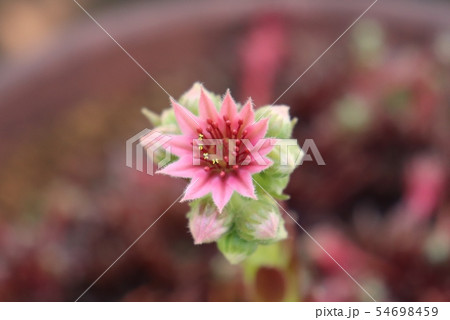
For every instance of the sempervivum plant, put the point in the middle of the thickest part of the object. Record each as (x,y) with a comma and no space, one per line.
(232,157)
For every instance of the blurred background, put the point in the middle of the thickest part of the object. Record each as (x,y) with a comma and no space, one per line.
(376,105)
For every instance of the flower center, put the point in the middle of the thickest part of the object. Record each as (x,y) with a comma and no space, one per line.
(230,140)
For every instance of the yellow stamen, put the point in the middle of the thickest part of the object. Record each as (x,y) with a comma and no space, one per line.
(205,156)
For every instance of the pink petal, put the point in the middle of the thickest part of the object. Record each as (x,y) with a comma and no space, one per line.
(247,114)
(254,167)
(266,147)
(182,168)
(207,109)
(187,121)
(257,131)
(179,145)
(198,187)
(242,182)
(221,192)
(229,107)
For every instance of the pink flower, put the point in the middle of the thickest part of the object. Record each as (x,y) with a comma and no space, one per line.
(240,139)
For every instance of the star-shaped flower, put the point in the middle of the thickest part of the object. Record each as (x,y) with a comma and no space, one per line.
(218,150)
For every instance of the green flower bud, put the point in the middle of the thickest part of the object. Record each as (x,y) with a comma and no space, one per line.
(206,224)
(167,123)
(234,248)
(260,221)
(286,157)
(280,123)
(162,158)
(265,182)
(168,117)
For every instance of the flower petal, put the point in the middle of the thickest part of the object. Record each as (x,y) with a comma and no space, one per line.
(182,168)
(242,182)
(207,109)
(221,192)
(198,187)
(254,167)
(229,107)
(266,147)
(247,114)
(179,145)
(188,122)
(257,131)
